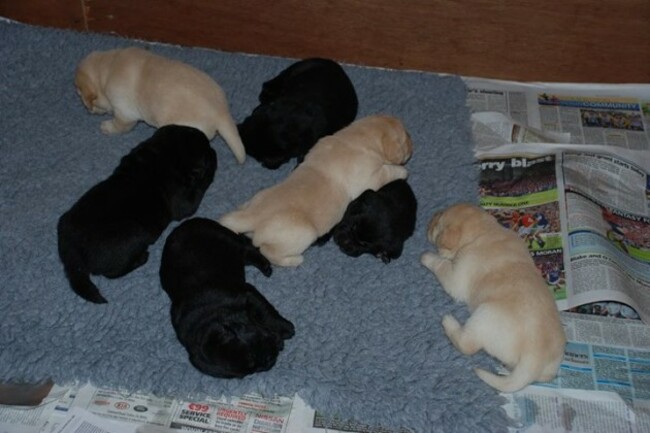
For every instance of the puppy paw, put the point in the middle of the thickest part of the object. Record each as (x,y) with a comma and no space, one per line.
(116,126)
(450,325)
(430,260)
(292,261)
(108,127)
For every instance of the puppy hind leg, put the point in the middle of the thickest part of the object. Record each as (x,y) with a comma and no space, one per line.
(462,337)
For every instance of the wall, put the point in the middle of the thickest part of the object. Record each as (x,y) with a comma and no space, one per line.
(534,40)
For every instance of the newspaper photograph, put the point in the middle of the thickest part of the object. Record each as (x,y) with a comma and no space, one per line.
(522,193)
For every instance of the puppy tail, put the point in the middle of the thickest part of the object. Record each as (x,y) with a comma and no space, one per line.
(73,265)
(524,373)
(82,286)
(229,132)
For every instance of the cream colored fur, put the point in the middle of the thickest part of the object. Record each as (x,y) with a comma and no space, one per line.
(134,84)
(514,316)
(285,219)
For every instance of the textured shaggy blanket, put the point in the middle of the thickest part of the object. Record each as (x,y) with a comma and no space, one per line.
(368,341)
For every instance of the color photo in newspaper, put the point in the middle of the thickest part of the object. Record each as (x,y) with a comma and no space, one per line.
(522,193)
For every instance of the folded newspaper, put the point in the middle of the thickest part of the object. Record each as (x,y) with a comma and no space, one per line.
(572,177)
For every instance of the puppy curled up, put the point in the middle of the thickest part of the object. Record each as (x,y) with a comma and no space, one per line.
(308,100)
(513,314)
(285,219)
(377,222)
(134,84)
(109,229)
(227,327)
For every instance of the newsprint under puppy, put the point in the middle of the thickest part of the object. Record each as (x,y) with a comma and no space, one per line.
(514,317)
(227,327)
(134,84)
(378,222)
(308,100)
(109,229)
(285,219)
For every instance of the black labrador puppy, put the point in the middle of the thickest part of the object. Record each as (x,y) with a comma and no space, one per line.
(310,99)
(227,327)
(377,222)
(109,229)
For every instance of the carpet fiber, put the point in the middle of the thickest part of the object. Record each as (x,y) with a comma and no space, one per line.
(368,341)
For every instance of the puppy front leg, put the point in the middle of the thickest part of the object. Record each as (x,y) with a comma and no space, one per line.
(279,257)
(461,337)
(389,173)
(437,264)
(442,268)
(117,125)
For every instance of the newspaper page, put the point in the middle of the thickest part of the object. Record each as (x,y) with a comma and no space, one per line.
(603,384)
(506,112)
(585,216)
(613,115)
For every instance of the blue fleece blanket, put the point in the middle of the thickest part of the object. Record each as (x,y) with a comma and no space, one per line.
(368,341)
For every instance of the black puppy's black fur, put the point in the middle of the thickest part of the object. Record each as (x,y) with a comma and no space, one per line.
(227,327)
(310,99)
(109,229)
(377,223)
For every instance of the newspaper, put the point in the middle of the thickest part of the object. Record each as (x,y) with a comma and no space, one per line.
(583,208)
(613,115)
(603,384)
(86,408)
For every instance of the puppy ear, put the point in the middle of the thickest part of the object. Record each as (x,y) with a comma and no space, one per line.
(396,143)
(449,237)
(86,89)
(262,312)
(433,224)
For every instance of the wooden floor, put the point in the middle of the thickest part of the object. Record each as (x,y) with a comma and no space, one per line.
(528,40)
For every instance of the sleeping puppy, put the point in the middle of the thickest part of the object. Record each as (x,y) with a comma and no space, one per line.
(310,99)
(378,222)
(227,327)
(285,219)
(109,229)
(514,317)
(134,84)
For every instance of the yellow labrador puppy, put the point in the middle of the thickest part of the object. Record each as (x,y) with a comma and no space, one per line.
(285,219)
(134,84)
(514,317)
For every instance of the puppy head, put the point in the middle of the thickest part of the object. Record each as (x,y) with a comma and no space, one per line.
(185,166)
(281,130)
(396,144)
(457,226)
(88,83)
(233,334)
(366,229)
